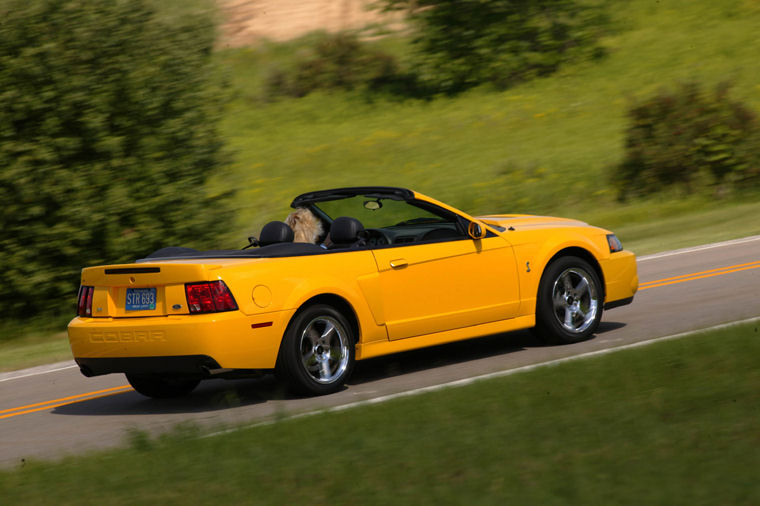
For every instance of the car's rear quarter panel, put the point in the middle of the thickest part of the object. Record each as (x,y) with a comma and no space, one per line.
(266,290)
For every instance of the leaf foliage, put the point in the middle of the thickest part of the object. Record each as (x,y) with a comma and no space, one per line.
(687,139)
(465,43)
(108,134)
(339,61)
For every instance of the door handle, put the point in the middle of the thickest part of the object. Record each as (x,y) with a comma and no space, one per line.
(399,263)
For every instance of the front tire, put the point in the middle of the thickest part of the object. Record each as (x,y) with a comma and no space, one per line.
(317,352)
(162,387)
(570,301)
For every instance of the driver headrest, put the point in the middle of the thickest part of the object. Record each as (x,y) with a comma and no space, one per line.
(274,232)
(345,230)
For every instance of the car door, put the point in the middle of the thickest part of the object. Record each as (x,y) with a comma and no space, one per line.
(439,286)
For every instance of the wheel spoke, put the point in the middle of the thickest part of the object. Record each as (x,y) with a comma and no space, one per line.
(313,335)
(329,327)
(568,318)
(325,371)
(582,287)
(566,282)
(592,307)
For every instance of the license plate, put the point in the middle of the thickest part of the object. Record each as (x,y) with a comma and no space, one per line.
(140,299)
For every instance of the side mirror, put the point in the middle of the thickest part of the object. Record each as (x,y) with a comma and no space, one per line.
(476,231)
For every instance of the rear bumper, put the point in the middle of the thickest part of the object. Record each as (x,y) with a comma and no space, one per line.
(191,365)
(159,343)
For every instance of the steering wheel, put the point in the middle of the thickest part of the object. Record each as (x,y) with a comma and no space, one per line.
(376,237)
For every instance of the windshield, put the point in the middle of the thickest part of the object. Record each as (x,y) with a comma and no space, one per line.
(375,212)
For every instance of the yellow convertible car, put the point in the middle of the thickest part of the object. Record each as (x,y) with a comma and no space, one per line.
(393,271)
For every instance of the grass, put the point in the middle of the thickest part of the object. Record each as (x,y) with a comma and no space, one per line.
(30,343)
(33,349)
(672,423)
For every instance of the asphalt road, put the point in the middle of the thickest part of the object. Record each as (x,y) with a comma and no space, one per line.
(53,411)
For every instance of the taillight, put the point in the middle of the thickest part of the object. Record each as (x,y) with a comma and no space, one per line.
(210,297)
(84,302)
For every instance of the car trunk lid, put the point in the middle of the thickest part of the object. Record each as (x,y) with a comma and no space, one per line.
(145,289)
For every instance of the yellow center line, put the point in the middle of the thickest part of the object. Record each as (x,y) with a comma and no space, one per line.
(55,403)
(728,268)
(699,275)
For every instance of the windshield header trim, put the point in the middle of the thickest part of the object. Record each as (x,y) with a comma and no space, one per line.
(385,192)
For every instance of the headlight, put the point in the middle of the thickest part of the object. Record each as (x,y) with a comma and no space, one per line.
(614,242)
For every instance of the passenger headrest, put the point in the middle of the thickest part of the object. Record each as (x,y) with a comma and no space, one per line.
(345,230)
(274,232)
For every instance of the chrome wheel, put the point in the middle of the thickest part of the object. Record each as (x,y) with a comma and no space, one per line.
(317,352)
(324,350)
(575,300)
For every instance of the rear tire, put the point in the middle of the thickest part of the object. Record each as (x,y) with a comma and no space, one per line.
(317,351)
(162,387)
(570,301)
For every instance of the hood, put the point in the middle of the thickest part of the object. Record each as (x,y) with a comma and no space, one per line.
(529,222)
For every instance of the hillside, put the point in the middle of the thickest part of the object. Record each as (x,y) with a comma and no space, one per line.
(248,21)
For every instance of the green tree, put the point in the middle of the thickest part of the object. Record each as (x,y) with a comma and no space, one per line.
(108,134)
(464,43)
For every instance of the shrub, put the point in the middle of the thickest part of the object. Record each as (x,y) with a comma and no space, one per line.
(336,62)
(687,139)
(465,43)
(107,136)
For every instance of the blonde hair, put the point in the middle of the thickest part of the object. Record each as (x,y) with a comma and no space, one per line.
(306,227)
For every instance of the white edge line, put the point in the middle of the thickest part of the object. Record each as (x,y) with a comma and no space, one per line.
(36,371)
(473,379)
(698,248)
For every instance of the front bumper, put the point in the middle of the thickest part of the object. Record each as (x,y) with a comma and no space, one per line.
(228,340)
(621,279)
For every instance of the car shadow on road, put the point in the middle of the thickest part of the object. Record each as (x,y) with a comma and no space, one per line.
(211,395)
(443,355)
(605,327)
(454,353)
(218,394)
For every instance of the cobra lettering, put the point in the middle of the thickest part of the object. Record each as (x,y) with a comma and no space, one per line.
(128,336)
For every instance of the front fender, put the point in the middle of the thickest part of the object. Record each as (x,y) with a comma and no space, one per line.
(534,251)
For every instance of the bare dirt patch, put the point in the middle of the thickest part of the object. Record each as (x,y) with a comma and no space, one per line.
(246,22)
